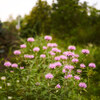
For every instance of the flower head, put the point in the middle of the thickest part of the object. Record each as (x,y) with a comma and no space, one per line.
(49,76)
(58,86)
(44,47)
(52,66)
(48,38)
(71,48)
(54,45)
(82,84)
(85,51)
(92,65)
(76,77)
(76,55)
(56,50)
(14,65)
(28,56)
(68,76)
(11,71)
(58,64)
(42,56)
(57,58)
(64,71)
(69,67)
(23,46)
(30,39)
(49,45)
(79,71)
(51,53)
(36,49)
(82,66)
(17,52)
(9,97)
(74,60)
(21,67)
(8,84)
(7,64)
(63,57)
(68,54)
(3,78)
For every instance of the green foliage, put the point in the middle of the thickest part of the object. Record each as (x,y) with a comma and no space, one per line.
(8,37)
(38,21)
(30,83)
(65,19)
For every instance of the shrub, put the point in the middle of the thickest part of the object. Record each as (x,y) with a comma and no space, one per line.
(42,71)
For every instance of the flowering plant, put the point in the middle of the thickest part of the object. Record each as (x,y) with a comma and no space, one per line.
(42,71)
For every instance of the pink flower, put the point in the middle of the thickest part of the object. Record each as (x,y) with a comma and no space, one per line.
(76,77)
(30,39)
(82,66)
(82,84)
(57,58)
(79,71)
(49,45)
(28,56)
(23,46)
(85,51)
(42,56)
(44,47)
(21,67)
(49,76)
(52,66)
(69,67)
(69,54)
(72,48)
(56,50)
(51,53)
(11,71)
(14,65)
(58,86)
(7,64)
(74,60)
(92,65)
(48,38)
(17,52)
(63,57)
(58,64)
(68,76)
(52,45)
(36,49)
(76,55)
(64,71)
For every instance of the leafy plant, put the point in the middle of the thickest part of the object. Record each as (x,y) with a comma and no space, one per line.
(42,71)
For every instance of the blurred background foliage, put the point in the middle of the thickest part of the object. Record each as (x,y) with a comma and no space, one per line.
(64,19)
(68,21)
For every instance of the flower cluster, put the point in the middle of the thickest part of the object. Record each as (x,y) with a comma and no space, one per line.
(51,66)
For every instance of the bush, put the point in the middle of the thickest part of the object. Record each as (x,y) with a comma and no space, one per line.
(41,71)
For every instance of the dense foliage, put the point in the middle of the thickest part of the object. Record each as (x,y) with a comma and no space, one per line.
(8,37)
(65,19)
(41,70)
(69,22)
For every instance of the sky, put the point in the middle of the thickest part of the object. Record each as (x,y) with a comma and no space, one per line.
(22,7)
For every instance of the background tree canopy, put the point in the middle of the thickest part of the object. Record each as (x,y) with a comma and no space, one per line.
(64,19)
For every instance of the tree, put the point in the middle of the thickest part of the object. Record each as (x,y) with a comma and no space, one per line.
(65,16)
(38,21)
